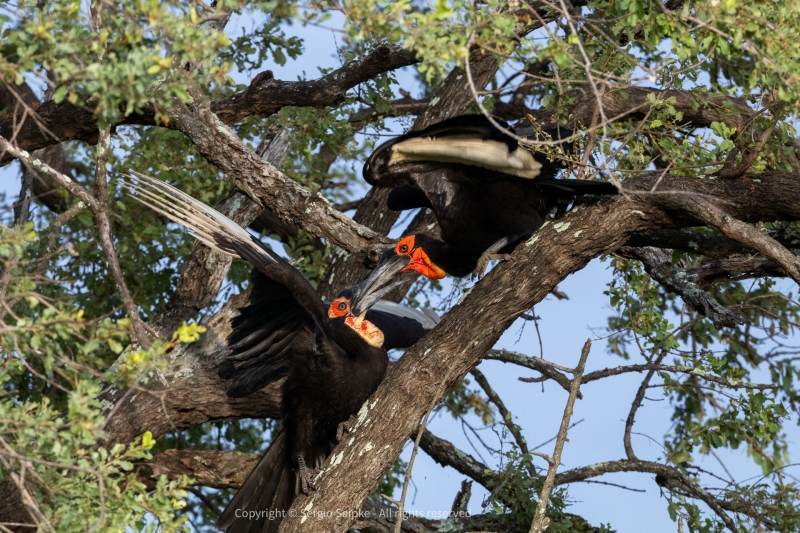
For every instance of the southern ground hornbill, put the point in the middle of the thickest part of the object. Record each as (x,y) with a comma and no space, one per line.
(269,331)
(488,193)
(333,358)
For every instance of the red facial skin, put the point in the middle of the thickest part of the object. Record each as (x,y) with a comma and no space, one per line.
(365,329)
(339,307)
(420,262)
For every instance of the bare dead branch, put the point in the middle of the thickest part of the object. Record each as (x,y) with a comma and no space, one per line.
(547,370)
(540,520)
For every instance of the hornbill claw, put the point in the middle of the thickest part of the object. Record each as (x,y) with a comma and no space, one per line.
(348,426)
(491,255)
(306,476)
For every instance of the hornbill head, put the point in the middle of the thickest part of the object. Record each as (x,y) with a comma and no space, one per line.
(410,254)
(419,249)
(369,332)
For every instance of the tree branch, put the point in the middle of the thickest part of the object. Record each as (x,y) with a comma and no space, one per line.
(201,278)
(713,216)
(546,368)
(658,264)
(269,188)
(265,96)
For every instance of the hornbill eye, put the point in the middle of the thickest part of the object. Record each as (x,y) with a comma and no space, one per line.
(342,306)
(403,248)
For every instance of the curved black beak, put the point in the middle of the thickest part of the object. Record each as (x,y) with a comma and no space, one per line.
(379,282)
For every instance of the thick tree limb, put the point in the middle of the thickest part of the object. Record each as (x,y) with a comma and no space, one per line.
(263,97)
(446,454)
(202,277)
(444,356)
(194,393)
(268,187)
(713,246)
(708,213)
(734,268)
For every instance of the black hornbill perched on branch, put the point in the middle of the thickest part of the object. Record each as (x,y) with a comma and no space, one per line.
(332,356)
(488,193)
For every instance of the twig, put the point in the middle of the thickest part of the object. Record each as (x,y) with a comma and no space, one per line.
(540,521)
(548,441)
(398,524)
(637,402)
(505,413)
(141,332)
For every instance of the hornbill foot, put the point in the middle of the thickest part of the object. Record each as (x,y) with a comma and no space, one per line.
(306,476)
(348,426)
(490,255)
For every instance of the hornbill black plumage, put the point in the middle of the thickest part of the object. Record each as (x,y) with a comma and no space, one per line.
(331,355)
(488,193)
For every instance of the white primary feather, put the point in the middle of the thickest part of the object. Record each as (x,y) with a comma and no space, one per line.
(488,154)
(204,222)
(426,317)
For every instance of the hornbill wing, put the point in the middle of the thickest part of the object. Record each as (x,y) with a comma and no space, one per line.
(402,326)
(468,140)
(223,234)
(271,327)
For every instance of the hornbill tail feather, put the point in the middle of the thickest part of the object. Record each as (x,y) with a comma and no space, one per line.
(578,187)
(268,489)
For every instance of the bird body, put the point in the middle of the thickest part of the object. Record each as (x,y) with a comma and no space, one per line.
(331,356)
(488,192)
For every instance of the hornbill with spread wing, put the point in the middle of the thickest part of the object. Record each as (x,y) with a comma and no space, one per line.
(332,356)
(487,191)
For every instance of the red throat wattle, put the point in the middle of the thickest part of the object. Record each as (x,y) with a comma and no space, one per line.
(420,262)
